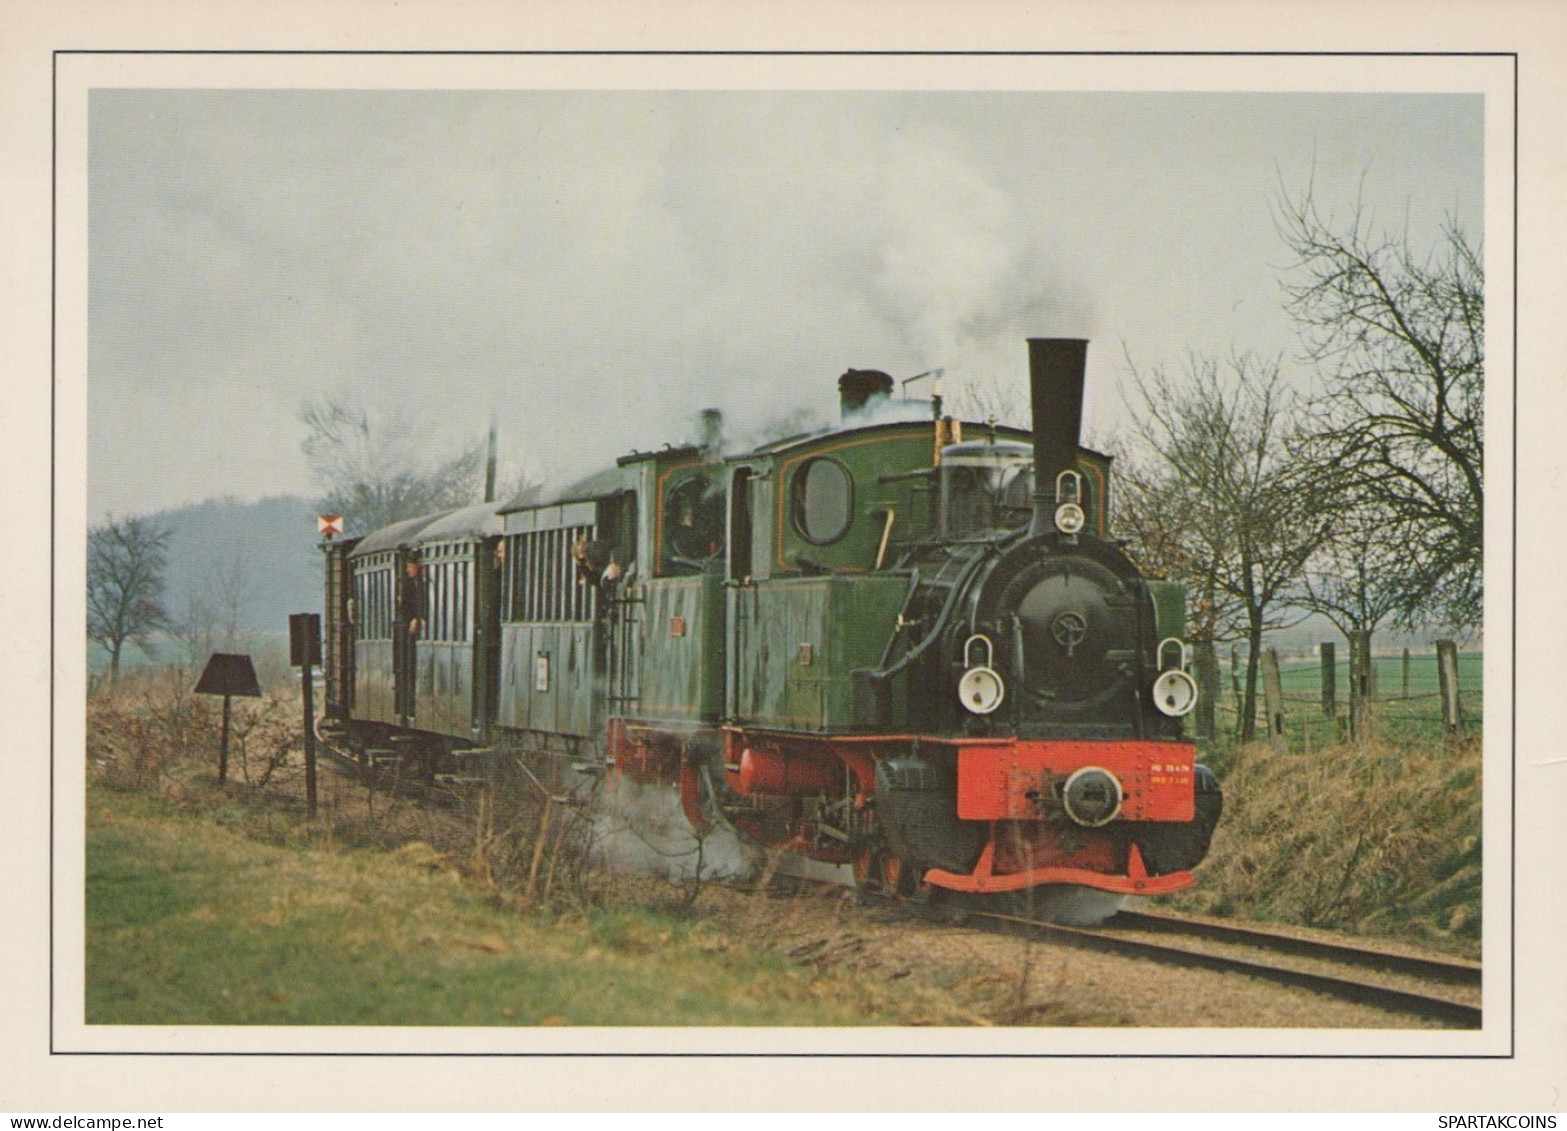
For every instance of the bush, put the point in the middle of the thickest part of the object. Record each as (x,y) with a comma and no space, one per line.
(152,733)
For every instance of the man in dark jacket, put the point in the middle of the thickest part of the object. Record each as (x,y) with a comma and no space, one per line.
(412,615)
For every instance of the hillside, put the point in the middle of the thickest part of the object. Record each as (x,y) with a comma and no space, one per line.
(260,557)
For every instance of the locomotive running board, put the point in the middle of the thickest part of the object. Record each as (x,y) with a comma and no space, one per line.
(982,880)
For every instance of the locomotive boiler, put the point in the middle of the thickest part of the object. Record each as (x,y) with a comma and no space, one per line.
(906,650)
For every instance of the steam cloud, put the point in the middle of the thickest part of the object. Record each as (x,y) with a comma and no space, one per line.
(641,829)
(595,266)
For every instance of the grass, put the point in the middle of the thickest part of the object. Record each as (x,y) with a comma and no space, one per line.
(225,905)
(191,922)
(1373,839)
(1379,837)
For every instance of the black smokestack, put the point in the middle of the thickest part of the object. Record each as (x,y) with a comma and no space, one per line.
(857,388)
(1056,369)
(712,428)
(489,466)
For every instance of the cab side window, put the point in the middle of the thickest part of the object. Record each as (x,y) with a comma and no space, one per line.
(822,500)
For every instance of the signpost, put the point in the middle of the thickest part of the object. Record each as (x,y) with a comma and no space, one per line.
(228,674)
(304,652)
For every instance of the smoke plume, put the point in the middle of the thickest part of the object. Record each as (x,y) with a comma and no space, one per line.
(641,830)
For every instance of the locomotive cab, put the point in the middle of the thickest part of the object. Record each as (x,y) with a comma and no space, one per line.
(985,486)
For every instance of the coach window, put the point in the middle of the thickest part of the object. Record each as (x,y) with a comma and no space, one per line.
(822,500)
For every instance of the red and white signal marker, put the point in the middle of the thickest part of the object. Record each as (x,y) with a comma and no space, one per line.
(329,525)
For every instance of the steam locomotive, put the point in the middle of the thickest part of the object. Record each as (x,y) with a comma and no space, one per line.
(906,650)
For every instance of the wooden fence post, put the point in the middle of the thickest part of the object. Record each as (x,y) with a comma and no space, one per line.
(1406,673)
(1273,692)
(1362,685)
(1447,679)
(1329,678)
(1235,687)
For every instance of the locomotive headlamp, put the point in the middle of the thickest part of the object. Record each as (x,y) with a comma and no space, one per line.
(1092,796)
(1175,693)
(1069,518)
(981,689)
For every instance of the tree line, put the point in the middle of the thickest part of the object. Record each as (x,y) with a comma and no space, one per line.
(128,603)
(373,470)
(1360,499)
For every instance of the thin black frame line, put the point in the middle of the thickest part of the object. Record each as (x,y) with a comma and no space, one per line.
(1513,538)
(792,54)
(1512,937)
(814,1055)
(54,468)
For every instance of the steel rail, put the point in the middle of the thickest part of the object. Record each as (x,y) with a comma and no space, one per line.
(1431,969)
(1458,1014)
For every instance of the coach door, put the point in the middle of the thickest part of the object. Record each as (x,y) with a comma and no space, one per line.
(488,571)
(408,624)
(338,659)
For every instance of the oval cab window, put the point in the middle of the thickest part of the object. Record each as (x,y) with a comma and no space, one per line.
(823,494)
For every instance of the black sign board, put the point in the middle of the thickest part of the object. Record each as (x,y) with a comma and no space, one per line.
(304,640)
(229,674)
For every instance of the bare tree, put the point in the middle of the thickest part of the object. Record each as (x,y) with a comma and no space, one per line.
(125,563)
(1400,338)
(229,586)
(214,614)
(1170,535)
(194,628)
(1218,499)
(1004,403)
(376,474)
(1355,577)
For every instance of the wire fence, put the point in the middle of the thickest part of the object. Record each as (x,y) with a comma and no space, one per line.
(1405,704)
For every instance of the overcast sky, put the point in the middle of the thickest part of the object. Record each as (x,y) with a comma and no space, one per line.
(596,267)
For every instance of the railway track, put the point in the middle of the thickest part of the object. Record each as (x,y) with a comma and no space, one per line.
(1447,971)
(1435,989)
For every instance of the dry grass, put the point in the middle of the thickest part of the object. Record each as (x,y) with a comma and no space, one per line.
(152,734)
(1369,839)
(468,908)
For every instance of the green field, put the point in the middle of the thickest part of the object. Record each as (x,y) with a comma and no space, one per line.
(192,922)
(1404,714)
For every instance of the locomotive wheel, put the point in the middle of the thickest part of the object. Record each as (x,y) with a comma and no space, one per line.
(877,870)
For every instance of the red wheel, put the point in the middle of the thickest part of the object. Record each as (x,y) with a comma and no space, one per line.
(865,867)
(877,870)
(892,872)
